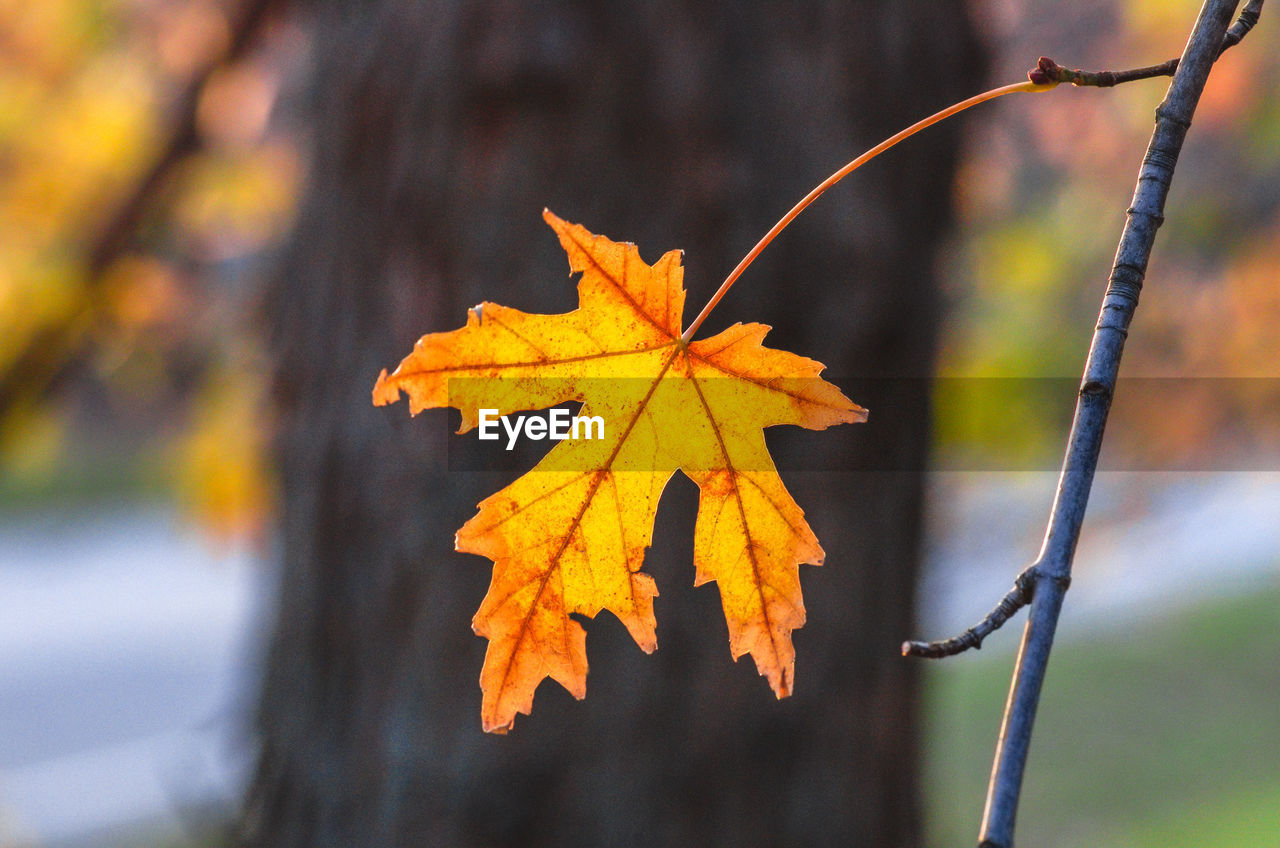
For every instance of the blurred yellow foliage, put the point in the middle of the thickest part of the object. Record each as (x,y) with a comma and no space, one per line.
(89,94)
(190,35)
(236,204)
(143,292)
(33,440)
(221,462)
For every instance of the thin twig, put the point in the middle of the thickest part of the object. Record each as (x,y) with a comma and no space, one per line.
(1047,70)
(1053,567)
(1247,20)
(52,350)
(1017,598)
(1055,73)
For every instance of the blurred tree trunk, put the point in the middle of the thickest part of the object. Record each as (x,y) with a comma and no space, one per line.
(439,131)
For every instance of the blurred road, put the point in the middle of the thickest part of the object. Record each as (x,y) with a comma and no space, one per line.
(1152,543)
(127,660)
(128,647)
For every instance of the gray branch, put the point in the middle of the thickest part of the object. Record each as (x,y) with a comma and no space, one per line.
(1020,595)
(1052,569)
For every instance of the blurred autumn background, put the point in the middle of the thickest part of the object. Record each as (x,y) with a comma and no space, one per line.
(229,611)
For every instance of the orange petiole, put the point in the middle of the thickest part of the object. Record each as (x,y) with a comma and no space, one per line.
(889,142)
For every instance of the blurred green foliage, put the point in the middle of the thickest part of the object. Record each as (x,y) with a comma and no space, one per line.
(1159,733)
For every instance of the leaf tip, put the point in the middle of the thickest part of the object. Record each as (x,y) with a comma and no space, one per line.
(497,729)
(384,390)
(784,682)
(553,220)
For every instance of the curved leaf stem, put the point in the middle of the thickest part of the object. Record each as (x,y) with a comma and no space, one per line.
(848,169)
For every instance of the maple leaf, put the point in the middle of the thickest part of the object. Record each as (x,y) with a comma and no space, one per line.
(569,536)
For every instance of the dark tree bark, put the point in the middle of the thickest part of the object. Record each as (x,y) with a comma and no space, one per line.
(440,130)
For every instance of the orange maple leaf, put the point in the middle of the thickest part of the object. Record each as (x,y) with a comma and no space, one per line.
(569,536)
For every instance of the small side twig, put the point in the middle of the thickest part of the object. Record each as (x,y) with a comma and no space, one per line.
(1047,70)
(1017,598)
(1248,19)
